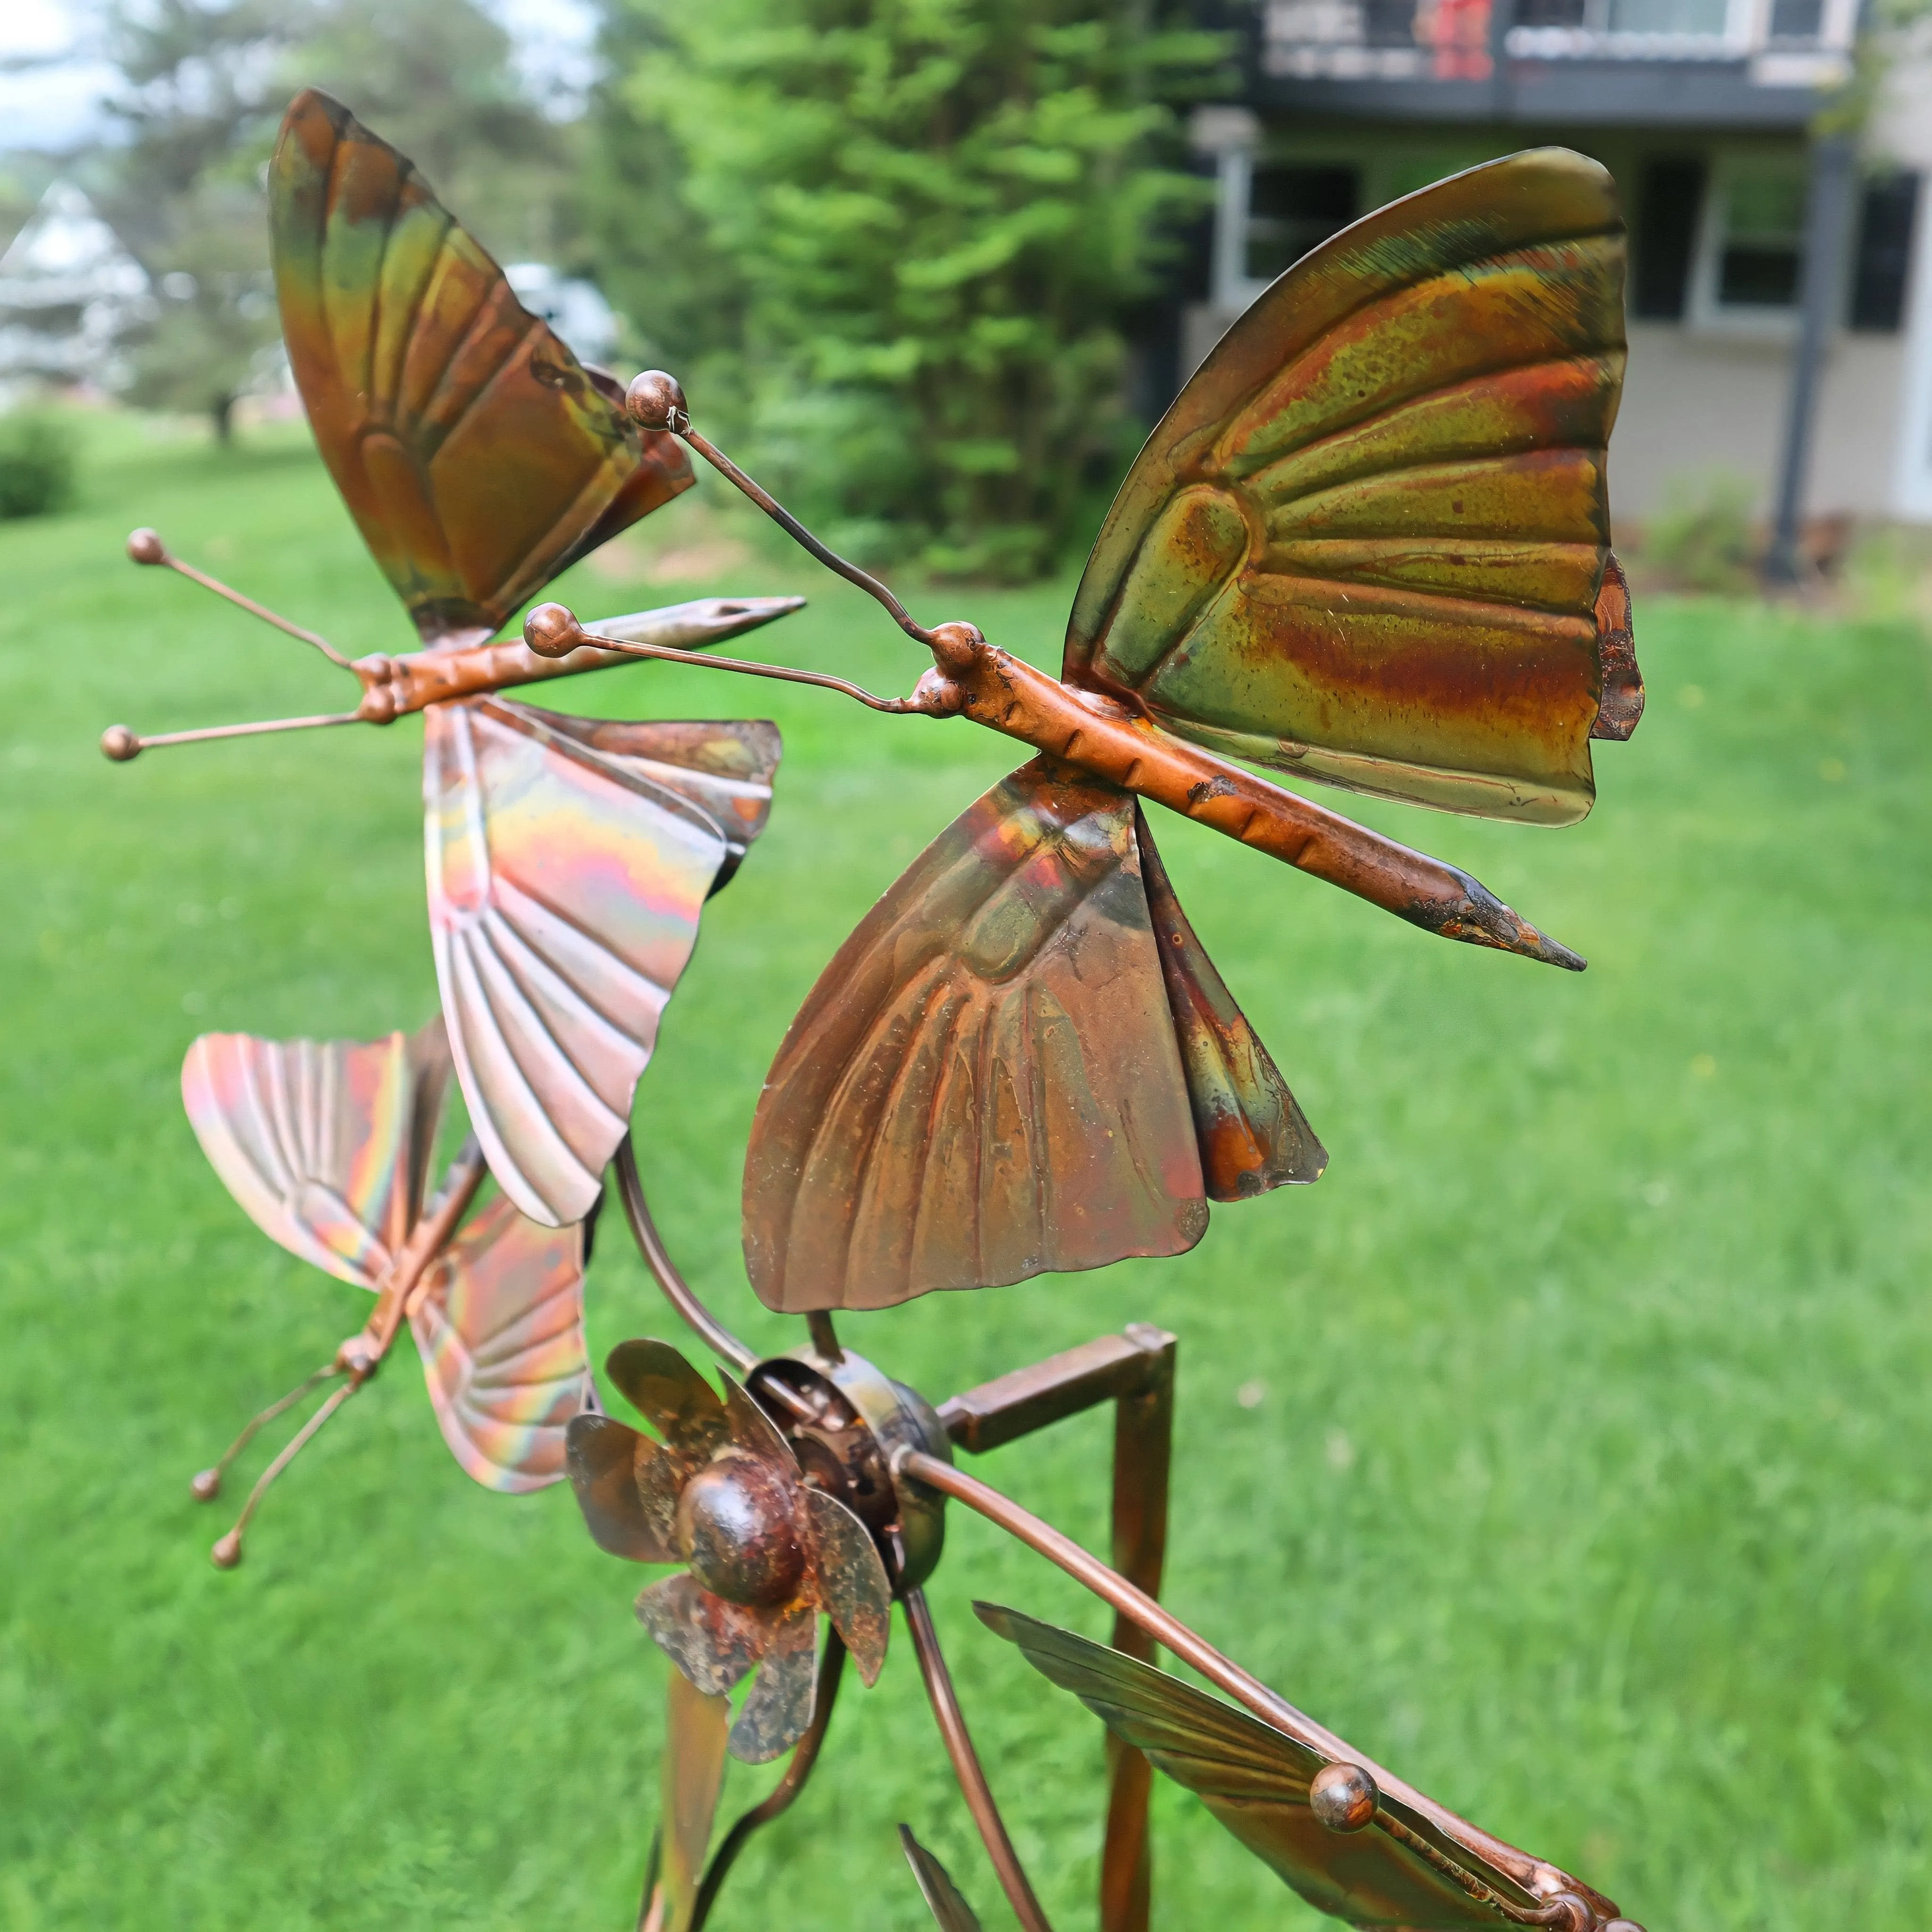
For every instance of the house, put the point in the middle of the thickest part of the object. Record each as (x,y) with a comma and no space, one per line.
(69,292)
(1704,111)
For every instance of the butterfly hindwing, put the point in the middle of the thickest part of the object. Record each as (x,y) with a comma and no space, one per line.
(499,1323)
(985,1083)
(1255,1780)
(1365,545)
(1252,1135)
(326,1143)
(567,864)
(477,455)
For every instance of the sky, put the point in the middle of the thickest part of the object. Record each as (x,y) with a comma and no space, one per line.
(50,86)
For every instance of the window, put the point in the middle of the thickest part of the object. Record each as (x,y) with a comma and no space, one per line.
(1758,216)
(1797,19)
(1880,274)
(1293,208)
(1670,194)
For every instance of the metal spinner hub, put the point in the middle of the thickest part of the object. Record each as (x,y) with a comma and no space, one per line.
(739,1521)
(859,1418)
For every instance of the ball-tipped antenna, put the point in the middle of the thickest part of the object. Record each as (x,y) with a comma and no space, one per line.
(122,746)
(144,547)
(656,401)
(207,1484)
(227,1550)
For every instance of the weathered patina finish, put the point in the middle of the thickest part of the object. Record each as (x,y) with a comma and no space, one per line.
(719,1492)
(477,456)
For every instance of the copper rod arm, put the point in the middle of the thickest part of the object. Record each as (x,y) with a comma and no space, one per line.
(966,1763)
(748,667)
(718,1339)
(804,1757)
(1168,1629)
(681,426)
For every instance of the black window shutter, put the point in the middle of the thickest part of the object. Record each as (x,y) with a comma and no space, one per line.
(1882,268)
(1670,196)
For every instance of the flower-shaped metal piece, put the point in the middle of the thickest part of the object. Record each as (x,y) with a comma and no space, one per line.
(719,1491)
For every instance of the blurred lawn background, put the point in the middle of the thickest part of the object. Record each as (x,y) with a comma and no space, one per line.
(1567,1448)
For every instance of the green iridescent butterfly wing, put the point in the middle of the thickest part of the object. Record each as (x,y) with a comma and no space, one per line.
(1414,1866)
(944,1899)
(477,456)
(1368,543)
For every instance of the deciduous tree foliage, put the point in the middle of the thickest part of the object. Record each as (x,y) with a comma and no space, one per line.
(203,86)
(918,225)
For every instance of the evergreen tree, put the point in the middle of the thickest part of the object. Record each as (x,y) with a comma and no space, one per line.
(923,222)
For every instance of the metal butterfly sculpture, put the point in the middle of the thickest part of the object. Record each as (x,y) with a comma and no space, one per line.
(567,859)
(1368,544)
(327,1145)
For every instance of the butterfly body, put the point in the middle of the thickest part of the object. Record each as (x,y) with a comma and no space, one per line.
(1114,739)
(469,664)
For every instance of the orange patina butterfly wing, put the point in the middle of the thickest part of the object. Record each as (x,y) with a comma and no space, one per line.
(985,1084)
(1370,541)
(477,456)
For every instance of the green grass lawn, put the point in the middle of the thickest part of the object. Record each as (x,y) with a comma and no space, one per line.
(1587,1481)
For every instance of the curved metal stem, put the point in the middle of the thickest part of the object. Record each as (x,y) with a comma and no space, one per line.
(966,1764)
(805,1756)
(796,530)
(718,1339)
(1167,1629)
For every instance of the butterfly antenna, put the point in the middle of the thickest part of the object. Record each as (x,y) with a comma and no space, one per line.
(656,401)
(552,631)
(120,744)
(227,1550)
(207,1484)
(145,546)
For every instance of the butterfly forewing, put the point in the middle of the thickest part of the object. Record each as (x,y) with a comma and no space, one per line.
(1255,1780)
(324,1143)
(477,455)
(567,864)
(985,1083)
(499,1326)
(1365,545)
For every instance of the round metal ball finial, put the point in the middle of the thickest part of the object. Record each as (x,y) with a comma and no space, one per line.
(736,1518)
(227,1551)
(552,631)
(120,744)
(656,400)
(145,546)
(206,1485)
(1343,1796)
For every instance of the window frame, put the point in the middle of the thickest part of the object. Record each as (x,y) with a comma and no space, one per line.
(1706,312)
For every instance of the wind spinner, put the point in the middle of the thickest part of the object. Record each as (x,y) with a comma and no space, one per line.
(567,859)
(814,1485)
(327,1146)
(1368,544)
